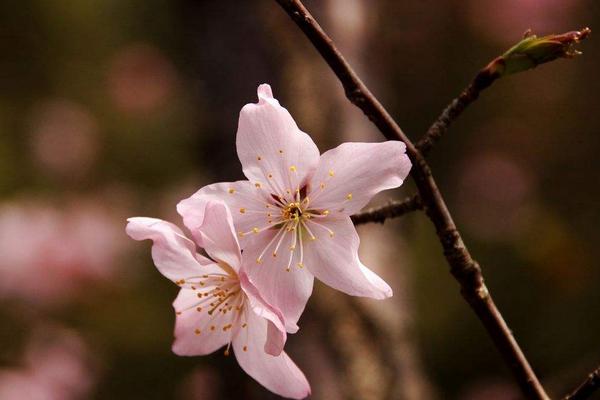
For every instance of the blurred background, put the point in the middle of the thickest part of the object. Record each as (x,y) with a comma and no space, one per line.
(118,108)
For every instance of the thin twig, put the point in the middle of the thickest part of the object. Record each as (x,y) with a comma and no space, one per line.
(482,80)
(587,387)
(530,52)
(462,266)
(393,209)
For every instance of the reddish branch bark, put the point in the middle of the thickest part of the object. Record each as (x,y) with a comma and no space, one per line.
(587,387)
(393,209)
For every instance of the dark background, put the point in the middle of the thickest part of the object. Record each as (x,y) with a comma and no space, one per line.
(116,108)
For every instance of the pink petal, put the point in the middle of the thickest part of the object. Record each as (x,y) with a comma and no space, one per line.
(279,374)
(334,260)
(273,151)
(216,235)
(197,332)
(276,335)
(351,174)
(285,290)
(174,255)
(246,202)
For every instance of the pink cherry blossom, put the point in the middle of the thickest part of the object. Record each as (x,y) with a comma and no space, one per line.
(217,305)
(292,215)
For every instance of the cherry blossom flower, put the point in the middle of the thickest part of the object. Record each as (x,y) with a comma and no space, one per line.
(217,305)
(292,215)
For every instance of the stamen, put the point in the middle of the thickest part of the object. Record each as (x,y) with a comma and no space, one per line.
(258,230)
(300,264)
(305,225)
(285,231)
(331,233)
(292,247)
(269,245)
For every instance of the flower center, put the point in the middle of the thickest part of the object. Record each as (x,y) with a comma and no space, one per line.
(220,299)
(292,212)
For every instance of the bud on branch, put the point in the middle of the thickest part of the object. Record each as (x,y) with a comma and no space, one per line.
(527,54)
(533,51)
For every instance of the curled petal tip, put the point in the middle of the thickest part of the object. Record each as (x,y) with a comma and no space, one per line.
(264,92)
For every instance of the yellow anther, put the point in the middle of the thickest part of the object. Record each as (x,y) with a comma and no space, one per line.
(241,234)
(197,331)
(193,287)
(199,309)
(231,191)
(270,176)
(280,151)
(259,158)
(349,196)
(274,254)
(259,260)
(245,348)
(212,327)
(292,248)
(331,234)
(258,185)
(226,352)
(242,210)
(313,238)
(300,265)
(326,212)
(293,168)
(201,283)
(288,269)
(255,230)
(199,295)
(244,325)
(331,173)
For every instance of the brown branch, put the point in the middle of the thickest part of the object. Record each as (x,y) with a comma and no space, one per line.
(482,80)
(462,266)
(587,387)
(527,54)
(393,209)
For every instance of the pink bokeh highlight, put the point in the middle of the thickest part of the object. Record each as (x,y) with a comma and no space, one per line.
(64,138)
(50,255)
(140,79)
(56,366)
